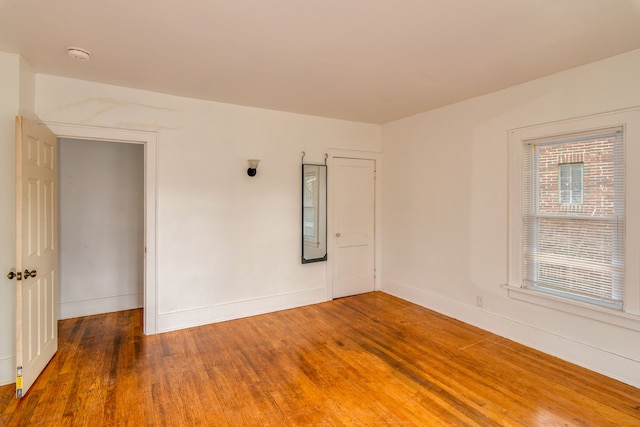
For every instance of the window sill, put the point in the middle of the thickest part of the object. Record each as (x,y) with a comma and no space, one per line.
(600,314)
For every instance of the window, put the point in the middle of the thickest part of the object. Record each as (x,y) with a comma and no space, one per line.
(577,254)
(570,183)
(574,233)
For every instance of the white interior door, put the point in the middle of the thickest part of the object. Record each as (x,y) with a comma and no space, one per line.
(354,222)
(36,253)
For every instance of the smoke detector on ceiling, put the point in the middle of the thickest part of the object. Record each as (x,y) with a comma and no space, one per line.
(78,53)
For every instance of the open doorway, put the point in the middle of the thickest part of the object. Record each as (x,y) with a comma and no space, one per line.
(148,140)
(101,227)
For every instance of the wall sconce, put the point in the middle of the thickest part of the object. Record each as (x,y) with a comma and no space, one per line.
(253,166)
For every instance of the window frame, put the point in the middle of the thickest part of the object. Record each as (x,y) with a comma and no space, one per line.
(630,121)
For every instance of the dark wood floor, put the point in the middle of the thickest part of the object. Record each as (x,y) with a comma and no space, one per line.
(367,360)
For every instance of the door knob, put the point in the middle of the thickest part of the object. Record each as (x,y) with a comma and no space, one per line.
(11,275)
(338,234)
(31,273)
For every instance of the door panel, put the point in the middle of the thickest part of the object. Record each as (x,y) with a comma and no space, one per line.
(354,189)
(36,241)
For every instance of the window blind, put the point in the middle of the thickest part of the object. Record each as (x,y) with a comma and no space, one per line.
(576,249)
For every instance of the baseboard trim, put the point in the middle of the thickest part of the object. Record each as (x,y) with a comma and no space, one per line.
(72,309)
(7,370)
(612,365)
(237,309)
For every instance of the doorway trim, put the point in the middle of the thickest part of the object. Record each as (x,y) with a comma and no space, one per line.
(150,142)
(377,220)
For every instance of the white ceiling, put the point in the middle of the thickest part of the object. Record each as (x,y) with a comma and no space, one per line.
(362,60)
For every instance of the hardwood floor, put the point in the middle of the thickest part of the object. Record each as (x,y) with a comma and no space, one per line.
(367,360)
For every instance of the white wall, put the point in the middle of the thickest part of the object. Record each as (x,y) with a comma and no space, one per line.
(445,211)
(26,90)
(228,244)
(101,252)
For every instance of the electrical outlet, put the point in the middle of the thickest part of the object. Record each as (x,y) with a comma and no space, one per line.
(479,300)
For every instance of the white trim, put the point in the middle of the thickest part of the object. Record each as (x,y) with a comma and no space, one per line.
(71,309)
(199,316)
(589,311)
(365,155)
(150,141)
(7,367)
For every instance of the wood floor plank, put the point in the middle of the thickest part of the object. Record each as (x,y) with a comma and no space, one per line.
(372,359)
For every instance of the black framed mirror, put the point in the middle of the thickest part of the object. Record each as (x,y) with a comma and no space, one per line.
(314,213)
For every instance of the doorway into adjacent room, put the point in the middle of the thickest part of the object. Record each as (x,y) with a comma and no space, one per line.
(143,144)
(101,226)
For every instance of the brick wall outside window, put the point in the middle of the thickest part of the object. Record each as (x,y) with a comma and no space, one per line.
(598,194)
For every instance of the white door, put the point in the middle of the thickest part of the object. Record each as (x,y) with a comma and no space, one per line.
(353,216)
(36,253)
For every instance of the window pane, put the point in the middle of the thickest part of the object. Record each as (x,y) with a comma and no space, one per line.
(570,182)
